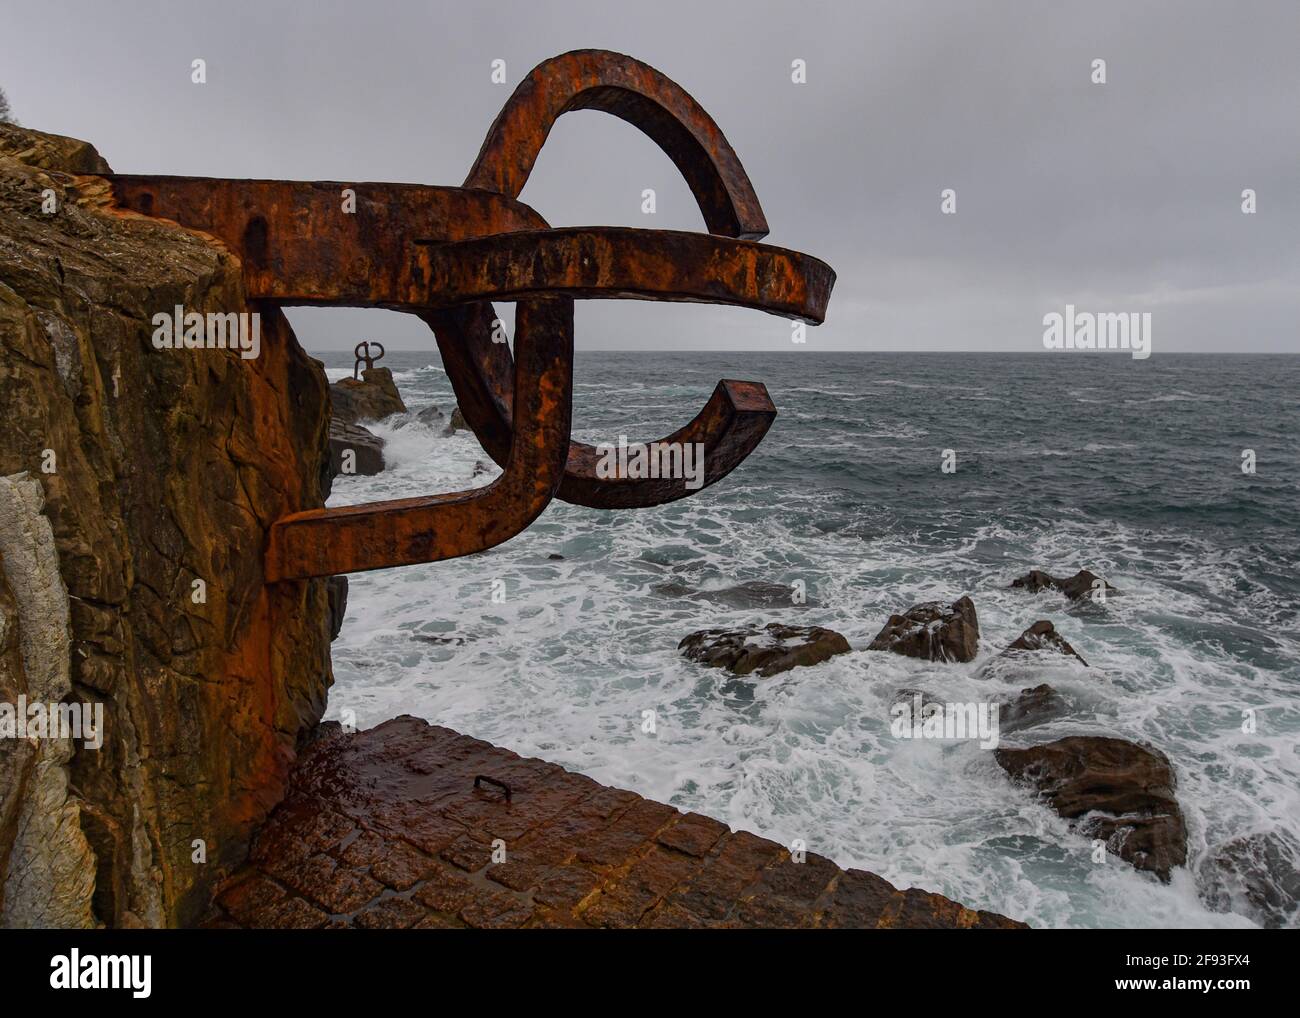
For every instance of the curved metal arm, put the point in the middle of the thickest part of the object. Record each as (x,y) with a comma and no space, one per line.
(615,262)
(300,246)
(622,86)
(351,539)
(656,265)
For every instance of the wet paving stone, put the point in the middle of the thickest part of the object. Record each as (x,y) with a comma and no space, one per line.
(385,829)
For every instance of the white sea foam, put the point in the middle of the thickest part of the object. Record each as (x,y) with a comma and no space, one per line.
(581,646)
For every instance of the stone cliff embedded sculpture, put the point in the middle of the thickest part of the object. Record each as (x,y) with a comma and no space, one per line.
(444,253)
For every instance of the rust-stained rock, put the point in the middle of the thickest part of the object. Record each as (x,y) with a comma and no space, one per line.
(774,648)
(932,631)
(1116,790)
(158,468)
(384,828)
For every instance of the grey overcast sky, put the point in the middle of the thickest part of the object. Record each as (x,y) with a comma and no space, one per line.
(1117,197)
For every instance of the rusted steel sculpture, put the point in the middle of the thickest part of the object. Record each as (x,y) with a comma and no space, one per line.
(363,355)
(444,253)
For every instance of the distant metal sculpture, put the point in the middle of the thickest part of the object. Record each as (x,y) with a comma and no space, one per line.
(363,355)
(443,253)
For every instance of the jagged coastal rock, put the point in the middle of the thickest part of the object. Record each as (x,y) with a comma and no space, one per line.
(372,397)
(932,631)
(1031,707)
(1042,636)
(149,478)
(52,152)
(767,651)
(1080,585)
(354,450)
(1256,875)
(457,423)
(430,417)
(1114,789)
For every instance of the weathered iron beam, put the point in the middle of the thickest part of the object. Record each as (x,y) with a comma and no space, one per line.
(443,253)
(615,262)
(626,88)
(350,539)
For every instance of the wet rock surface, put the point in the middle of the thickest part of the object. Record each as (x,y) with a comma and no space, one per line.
(751,594)
(1031,707)
(932,631)
(774,648)
(1116,790)
(365,447)
(157,468)
(385,829)
(430,417)
(1042,636)
(1080,585)
(372,397)
(1256,875)
(457,423)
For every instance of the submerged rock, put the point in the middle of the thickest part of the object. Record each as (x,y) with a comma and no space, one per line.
(1256,875)
(367,449)
(430,417)
(372,397)
(909,696)
(750,594)
(439,640)
(1080,585)
(1031,707)
(932,631)
(1042,635)
(1115,790)
(774,648)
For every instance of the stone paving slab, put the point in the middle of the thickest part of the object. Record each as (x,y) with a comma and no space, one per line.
(386,829)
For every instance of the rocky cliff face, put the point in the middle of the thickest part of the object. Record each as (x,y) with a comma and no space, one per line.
(136,489)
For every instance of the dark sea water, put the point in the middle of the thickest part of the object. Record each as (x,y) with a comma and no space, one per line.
(1132,469)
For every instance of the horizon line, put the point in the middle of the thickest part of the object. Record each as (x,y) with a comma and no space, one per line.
(1021,353)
